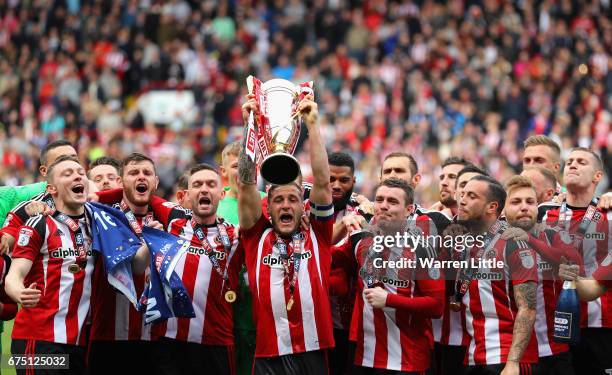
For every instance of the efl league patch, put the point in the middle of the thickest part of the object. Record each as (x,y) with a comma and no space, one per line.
(434,273)
(9,217)
(24,236)
(607,260)
(169,204)
(526,258)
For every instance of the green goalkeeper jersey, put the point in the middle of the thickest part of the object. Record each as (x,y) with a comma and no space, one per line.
(11,196)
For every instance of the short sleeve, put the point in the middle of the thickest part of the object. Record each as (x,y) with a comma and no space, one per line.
(521,261)
(603,273)
(30,238)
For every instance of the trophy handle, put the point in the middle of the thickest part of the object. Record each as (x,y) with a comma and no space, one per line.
(250,84)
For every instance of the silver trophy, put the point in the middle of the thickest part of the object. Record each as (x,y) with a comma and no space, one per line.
(278,127)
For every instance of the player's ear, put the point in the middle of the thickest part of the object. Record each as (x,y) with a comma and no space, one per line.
(156,181)
(415,180)
(598,176)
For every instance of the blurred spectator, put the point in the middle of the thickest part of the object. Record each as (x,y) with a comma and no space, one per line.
(431,78)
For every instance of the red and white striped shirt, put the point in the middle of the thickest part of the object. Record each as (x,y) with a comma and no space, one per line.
(18,215)
(342,298)
(307,326)
(490,305)
(113,316)
(397,337)
(549,287)
(603,274)
(60,314)
(594,249)
(213,322)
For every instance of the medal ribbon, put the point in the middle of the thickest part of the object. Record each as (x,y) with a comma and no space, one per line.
(296,243)
(208,249)
(81,259)
(584,223)
(465,277)
(129,215)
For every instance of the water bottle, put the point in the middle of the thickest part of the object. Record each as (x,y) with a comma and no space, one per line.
(567,315)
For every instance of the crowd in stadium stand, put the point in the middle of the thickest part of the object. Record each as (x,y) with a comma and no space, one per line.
(434,79)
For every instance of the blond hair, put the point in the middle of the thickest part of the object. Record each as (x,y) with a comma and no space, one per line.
(542,140)
(518,182)
(230,149)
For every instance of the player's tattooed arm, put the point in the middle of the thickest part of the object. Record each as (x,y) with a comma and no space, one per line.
(247,171)
(249,201)
(525,297)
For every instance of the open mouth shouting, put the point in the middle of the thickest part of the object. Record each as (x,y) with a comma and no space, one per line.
(286,219)
(142,188)
(204,202)
(78,188)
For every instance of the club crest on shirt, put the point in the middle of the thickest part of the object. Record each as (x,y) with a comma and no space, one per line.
(24,236)
(434,273)
(526,258)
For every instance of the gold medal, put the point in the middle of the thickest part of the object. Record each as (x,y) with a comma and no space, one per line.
(290,303)
(74,268)
(230,296)
(455,306)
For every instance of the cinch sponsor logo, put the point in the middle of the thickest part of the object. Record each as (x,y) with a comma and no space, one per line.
(394,282)
(274,260)
(200,251)
(591,236)
(67,253)
(488,276)
(544,266)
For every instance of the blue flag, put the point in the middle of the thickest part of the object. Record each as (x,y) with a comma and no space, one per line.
(113,237)
(165,295)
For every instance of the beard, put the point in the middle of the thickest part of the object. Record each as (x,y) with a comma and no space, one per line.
(340,204)
(523,224)
(448,201)
(472,223)
(387,228)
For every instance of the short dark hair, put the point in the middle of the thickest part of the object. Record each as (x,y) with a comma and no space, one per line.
(399,184)
(471,168)
(105,160)
(412,164)
(61,159)
(135,157)
(341,159)
(51,146)
(183,181)
(274,187)
(456,160)
(495,191)
(202,167)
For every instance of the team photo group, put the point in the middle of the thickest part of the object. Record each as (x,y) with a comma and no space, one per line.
(322,187)
(99,284)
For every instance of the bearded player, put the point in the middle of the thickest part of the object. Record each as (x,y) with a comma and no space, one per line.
(499,300)
(289,267)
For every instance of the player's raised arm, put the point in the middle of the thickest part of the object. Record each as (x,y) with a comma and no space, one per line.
(321,190)
(249,201)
